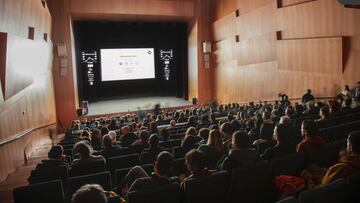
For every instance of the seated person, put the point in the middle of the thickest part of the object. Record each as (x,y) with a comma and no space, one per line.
(266,128)
(137,179)
(127,137)
(349,163)
(96,139)
(143,142)
(56,158)
(213,149)
(89,193)
(195,162)
(283,145)
(109,149)
(190,139)
(241,154)
(154,144)
(83,149)
(310,138)
(203,135)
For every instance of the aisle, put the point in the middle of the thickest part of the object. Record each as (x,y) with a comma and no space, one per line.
(19,177)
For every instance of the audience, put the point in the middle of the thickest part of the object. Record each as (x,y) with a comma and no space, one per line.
(143,142)
(137,179)
(195,161)
(83,149)
(190,139)
(213,149)
(283,146)
(311,140)
(127,137)
(349,163)
(56,158)
(89,193)
(240,154)
(109,148)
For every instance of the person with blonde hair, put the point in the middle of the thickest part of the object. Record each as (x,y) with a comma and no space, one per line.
(213,149)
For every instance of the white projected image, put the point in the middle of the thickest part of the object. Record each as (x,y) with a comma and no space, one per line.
(127,64)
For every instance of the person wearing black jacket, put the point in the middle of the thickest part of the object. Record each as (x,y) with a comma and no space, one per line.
(56,158)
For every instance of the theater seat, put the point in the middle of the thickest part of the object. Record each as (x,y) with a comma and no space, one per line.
(88,168)
(121,173)
(44,175)
(323,157)
(45,192)
(165,194)
(171,143)
(179,166)
(336,192)
(355,187)
(251,184)
(209,189)
(74,183)
(120,162)
(291,164)
(179,152)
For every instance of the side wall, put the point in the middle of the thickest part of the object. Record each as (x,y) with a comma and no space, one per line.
(264,47)
(27,116)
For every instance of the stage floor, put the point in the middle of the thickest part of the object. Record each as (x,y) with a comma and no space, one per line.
(133,104)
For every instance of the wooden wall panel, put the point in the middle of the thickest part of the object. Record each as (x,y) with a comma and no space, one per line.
(323,55)
(321,18)
(193,60)
(285,3)
(222,8)
(257,22)
(320,49)
(34,106)
(98,9)
(256,50)
(245,6)
(224,28)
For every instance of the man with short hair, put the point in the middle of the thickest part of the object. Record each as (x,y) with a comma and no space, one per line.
(310,138)
(307,97)
(137,179)
(93,193)
(349,164)
(56,158)
(127,137)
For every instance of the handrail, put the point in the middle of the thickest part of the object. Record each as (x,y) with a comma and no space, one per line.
(22,134)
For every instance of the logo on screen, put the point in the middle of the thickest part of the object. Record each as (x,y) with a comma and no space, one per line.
(167,57)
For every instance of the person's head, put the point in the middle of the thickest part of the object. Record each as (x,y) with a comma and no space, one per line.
(112,134)
(104,130)
(308,91)
(192,120)
(172,123)
(83,149)
(241,140)
(347,102)
(281,132)
(324,112)
(347,87)
(285,120)
(191,132)
(235,125)
(163,164)
(215,140)
(226,129)
(308,128)
(204,133)
(93,193)
(353,143)
(152,127)
(195,161)
(107,141)
(144,135)
(266,115)
(56,152)
(154,141)
(85,134)
(165,134)
(125,130)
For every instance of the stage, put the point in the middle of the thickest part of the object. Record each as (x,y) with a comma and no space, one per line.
(134,104)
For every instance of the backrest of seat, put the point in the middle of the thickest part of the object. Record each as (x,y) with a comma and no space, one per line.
(120,162)
(323,157)
(165,194)
(179,166)
(103,179)
(179,152)
(251,184)
(209,189)
(291,164)
(45,192)
(354,180)
(148,157)
(44,175)
(288,200)
(337,191)
(88,168)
